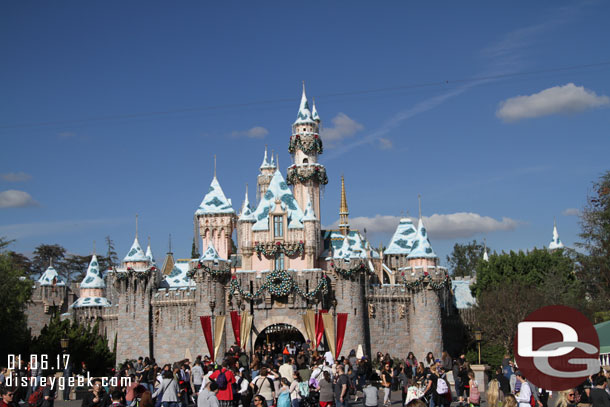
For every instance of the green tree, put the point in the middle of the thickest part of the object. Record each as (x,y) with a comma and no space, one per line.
(86,344)
(194,252)
(464,259)
(594,265)
(44,253)
(112,259)
(15,292)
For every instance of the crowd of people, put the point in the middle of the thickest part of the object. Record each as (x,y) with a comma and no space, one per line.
(295,375)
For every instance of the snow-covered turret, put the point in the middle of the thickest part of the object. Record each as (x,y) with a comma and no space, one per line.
(267,169)
(421,250)
(50,277)
(92,288)
(555,243)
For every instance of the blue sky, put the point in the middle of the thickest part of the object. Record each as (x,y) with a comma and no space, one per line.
(116,108)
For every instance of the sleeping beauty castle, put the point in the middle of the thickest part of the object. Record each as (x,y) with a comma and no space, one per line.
(283,279)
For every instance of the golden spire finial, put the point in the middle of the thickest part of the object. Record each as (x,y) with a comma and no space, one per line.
(343,208)
(343,211)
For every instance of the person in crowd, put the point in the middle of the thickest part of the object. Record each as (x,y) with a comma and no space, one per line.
(242,392)
(446,361)
(495,396)
(411,362)
(287,369)
(567,398)
(502,381)
(146,399)
(325,387)
(49,393)
(225,393)
(207,395)
(97,397)
(474,396)
(420,373)
(386,384)
(130,390)
(168,390)
(430,390)
(510,401)
(259,401)
(403,381)
(283,395)
(416,403)
(370,392)
(197,376)
(412,391)
(263,386)
(464,391)
(116,397)
(598,395)
(6,397)
(341,387)
(429,360)
(524,393)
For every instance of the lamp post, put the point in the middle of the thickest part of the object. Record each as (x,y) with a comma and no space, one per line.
(64,342)
(478,336)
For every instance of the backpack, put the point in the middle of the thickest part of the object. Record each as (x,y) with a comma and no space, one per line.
(441,386)
(221,380)
(532,401)
(284,399)
(475,396)
(303,389)
(35,399)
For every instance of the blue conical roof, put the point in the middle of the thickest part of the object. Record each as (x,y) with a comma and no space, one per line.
(421,247)
(278,189)
(214,201)
(403,238)
(246,214)
(211,254)
(93,277)
(314,113)
(149,254)
(49,275)
(555,243)
(136,253)
(304,115)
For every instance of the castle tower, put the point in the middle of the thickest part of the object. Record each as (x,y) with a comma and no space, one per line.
(244,233)
(53,290)
(425,311)
(134,282)
(305,146)
(92,299)
(555,243)
(267,169)
(216,219)
(395,256)
(343,211)
(312,234)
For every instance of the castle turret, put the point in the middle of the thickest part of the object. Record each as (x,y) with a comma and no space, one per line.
(555,243)
(216,219)
(244,233)
(305,146)
(395,256)
(92,299)
(267,169)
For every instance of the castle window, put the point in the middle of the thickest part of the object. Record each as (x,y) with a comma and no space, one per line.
(279,262)
(305,161)
(278,226)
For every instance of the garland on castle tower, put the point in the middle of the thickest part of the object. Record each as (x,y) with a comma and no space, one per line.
(279,283)
(347,273)
(212,271)
(316,173)
(425,278)
(279,247)
(139,274)
(307,144)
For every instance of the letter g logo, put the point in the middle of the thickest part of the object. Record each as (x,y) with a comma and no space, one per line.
(556,347)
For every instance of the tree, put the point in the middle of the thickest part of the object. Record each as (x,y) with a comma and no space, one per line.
(464,258)
(594,265)
(112,259)
(194,252)
(43,255)
(15,292)
(76,266)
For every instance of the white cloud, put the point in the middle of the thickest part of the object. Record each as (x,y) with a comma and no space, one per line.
(254,132)
(571,212)
(564,99)
(385,144)
(23,230)
(343,127)
(15,176)
(16,199)
(449,226)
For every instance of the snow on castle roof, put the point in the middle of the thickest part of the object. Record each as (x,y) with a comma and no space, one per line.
(304,115)
(178,277)
(211,254)
(47,277)
(246,214)
(403,238)
(421,247)
(93,277)
(149,254)
(278,189)
(136,253)
(310,214)
(91,302)
(214,201)
(555,243)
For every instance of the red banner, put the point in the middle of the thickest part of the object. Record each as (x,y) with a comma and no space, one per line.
(206,326)
(341,324)
(236,324)
(319,327)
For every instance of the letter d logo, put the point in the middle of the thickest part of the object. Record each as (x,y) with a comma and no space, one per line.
(525,332)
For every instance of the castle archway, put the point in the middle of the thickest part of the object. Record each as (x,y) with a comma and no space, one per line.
(278,329)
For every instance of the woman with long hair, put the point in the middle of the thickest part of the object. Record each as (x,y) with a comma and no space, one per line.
(325,387)
(430,359)
(146,399)
(420,372)
(510,401)
(474,398)
(495,397)
(295,394)
(411,362)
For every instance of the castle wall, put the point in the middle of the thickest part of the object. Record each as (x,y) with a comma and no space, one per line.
(43,300)
(388,318)
(350,299)
(425,323)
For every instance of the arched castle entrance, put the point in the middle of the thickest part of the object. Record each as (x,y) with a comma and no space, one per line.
(278,329)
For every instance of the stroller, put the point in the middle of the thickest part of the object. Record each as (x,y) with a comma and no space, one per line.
(312,400)
(417,392)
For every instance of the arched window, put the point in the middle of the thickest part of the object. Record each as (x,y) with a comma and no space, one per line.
(305,161)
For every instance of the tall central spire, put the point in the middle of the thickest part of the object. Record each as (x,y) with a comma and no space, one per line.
(343,211)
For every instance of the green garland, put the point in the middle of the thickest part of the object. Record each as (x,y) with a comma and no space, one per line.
(318,175)
(140,275)
(426,278)
(308,147)
(279,283)
(278,248)
(347,273)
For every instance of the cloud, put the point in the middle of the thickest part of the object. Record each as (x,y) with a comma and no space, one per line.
(254,132)
(385,144)
(16,199)
(24,230)
(566,99)
(343,127)
(15,176)
(571,212)
(448,226)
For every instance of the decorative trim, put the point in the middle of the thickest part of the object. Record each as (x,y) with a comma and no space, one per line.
(272,250)
(306,144)
(279,283)
(318,174)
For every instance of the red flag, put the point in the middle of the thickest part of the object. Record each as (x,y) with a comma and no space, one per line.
(319,327)
(206,326)
(341,324)
(236,324)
